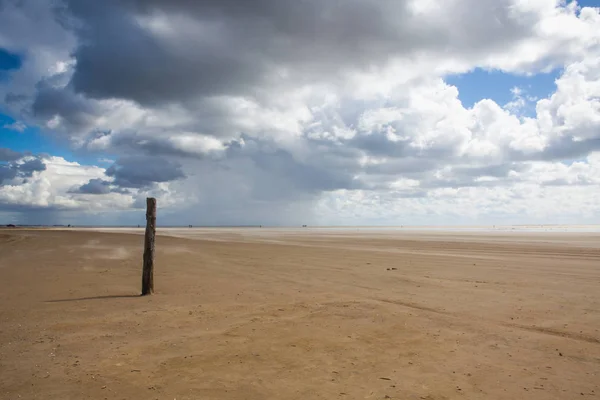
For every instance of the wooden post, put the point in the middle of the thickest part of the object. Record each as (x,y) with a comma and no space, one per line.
(148,270)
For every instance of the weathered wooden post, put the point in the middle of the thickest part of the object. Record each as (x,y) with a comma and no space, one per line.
(148,270)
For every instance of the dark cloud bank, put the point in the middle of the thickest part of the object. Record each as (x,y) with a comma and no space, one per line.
(192,54)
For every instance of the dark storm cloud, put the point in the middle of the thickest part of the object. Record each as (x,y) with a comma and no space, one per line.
(197,51)
(237,47)
(75,110)
(27,168)
(93,186)
(7,172)
(118,58)
(143,171)
(10,168)
(377,143)
(98,186)
(9,155)
(157,145)
(326,167)
(14,98)
(305,177)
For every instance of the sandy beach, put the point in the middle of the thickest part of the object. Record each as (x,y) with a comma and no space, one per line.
(300,314)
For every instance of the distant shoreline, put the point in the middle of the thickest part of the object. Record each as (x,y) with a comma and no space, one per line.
(591,228)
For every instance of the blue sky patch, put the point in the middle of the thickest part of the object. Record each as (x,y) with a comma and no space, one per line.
(33,140)
(8,62)
(588,3)
(495,85)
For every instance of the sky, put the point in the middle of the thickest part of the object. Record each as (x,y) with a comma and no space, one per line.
(284,113)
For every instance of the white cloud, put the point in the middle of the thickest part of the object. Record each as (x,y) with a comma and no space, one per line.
(379,136)
(50,189)
(16,126)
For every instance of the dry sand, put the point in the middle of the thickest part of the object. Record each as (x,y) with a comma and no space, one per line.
(250,314)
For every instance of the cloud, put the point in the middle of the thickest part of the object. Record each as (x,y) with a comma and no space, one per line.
(28,167)
(48,185)
(143,171)
(7,172)
(94,186)
(74,111)
(16,126)
(239,49)
(99,186)
(14,165)
(11,98)
(9,155)
(304,111)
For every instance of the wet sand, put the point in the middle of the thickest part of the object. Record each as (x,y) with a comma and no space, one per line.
(300,314)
